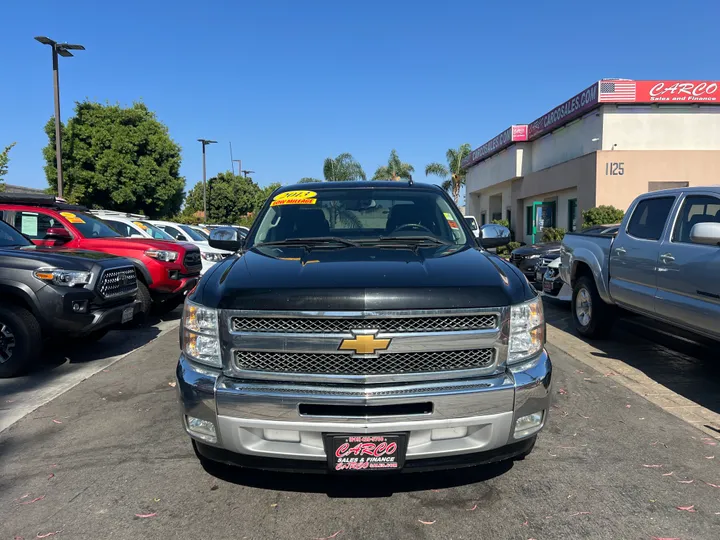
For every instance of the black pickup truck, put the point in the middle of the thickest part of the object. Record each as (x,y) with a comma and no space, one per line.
(46,293)
(362,327)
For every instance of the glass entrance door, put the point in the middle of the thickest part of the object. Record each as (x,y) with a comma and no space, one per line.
(543,217)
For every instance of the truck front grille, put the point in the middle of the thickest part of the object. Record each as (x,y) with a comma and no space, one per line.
(341,326)
(192,260)
(117,282)
(343,364)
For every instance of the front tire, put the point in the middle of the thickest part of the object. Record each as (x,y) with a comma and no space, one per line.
(20,341)
(593,318)
(143,294)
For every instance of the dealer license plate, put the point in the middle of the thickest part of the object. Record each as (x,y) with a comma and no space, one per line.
(366,453)
(539,276)
(547,286)
(127,314)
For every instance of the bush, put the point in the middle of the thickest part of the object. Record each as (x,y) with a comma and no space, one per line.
(602,215)
(504,251)
(551,234)
(503,222)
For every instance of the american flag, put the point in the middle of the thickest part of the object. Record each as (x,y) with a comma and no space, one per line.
(617,91)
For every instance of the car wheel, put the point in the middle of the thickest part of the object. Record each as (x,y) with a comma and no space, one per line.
(143,295)
(593,318)
(20,341)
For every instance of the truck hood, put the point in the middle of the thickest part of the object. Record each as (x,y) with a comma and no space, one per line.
(139,244)
(362,279)
(69,259)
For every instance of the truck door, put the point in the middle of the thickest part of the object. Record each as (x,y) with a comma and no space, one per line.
(634,254)
(688,286)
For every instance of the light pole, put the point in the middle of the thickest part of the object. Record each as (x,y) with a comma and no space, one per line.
(205,142)
(247,172)
(62,49)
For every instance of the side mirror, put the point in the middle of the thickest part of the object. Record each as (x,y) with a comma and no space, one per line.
(492,236)
(57,233)
(226,238)
(706,233)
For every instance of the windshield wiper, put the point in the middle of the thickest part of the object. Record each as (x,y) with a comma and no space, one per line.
(411,240)
(311,242)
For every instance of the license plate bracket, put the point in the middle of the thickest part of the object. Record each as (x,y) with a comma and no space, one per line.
(127,314)
(372,452)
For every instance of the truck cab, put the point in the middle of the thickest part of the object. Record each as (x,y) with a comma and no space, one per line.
(360,327)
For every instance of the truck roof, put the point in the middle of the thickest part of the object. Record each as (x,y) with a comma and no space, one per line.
(715,188)
(361,184)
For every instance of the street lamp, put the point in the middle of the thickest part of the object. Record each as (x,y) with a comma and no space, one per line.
(247,172)
(205,142)
(62,49)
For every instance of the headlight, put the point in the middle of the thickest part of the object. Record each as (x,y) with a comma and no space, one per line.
(162,255)
(212,257)
(201,337)
(536,256)
(527,330)
(64,278)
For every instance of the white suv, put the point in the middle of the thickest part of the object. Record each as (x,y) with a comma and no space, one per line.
(185,233)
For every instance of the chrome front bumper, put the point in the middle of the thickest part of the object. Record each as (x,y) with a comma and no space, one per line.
(264,418)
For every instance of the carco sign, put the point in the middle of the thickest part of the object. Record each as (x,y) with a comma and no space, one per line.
(678,91)
(569,110)
(506,138)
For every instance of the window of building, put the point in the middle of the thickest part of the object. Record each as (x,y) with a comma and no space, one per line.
(497,216)
(483,218)
(696,209)
(508,217)
(529,220)
(649,217)
(572,215)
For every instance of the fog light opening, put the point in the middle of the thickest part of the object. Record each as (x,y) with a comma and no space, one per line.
(202,429)
(526,425)
(79,306)
(281,435)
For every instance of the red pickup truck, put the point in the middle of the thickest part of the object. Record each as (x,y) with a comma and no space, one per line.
(166,270)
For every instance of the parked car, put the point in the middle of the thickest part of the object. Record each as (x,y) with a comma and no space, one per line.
(185,233)
(397,343)
(166,270)
(132,226)
(552,284)
(61,291)
(535,258)
(663,263)
(473,224)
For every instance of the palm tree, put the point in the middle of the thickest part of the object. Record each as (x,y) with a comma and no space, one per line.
(395,169)
(343,168)
(454,170)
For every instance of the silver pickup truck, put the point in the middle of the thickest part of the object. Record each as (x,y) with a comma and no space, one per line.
(664,263)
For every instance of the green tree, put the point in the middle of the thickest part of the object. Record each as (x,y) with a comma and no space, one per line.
(602,215)
(552,234)
(343,168)
(308,180)
(452,174)
(117,158)
(4,160)
(395,169)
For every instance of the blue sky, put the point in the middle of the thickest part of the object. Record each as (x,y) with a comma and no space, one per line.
(292,82)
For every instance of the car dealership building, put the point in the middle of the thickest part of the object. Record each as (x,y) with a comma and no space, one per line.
(606,145)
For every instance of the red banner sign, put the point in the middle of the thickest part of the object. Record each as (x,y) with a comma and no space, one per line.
(494,145)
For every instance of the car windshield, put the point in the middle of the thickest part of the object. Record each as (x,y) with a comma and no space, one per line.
(364,215)
(89,226)
(202,233)
(11,237)
(471,223)
(156,232)
(193,234)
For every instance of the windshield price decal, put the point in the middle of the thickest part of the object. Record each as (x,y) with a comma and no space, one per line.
(453,224)
(294,197)
(72,218)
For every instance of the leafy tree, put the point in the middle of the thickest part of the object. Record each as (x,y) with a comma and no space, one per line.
(343,168)
(453,174)
(503,222)
(4,160)
(552,234)
(308,180)
(602,215)
(117,158)
(395,169)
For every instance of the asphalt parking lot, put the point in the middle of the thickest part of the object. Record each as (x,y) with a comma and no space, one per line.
(108,459)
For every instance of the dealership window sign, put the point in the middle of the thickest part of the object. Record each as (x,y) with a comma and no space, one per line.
(512,134)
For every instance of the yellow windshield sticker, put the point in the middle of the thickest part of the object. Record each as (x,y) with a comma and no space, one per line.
(141,225)
(72,218)
(451,221)
(294,197)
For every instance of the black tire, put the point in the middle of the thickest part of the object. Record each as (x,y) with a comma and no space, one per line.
(143,294)
(598,317)
(20,341)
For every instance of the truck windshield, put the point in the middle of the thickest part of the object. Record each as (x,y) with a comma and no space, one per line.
(90,226)
(361,216)
(156,232)
(193,234)
(10,237)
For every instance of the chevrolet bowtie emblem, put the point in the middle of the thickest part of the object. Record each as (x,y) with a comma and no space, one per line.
(364,344)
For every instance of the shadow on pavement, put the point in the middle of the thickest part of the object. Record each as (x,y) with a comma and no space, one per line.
(688,365)
(360,486)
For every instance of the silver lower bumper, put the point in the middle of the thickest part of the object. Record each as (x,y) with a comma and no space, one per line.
(265,419)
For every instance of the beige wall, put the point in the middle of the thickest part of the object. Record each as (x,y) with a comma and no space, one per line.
(479,201)
(568,142)
(644,127)
(699,168)
(500,167)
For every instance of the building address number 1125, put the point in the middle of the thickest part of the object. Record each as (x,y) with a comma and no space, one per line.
(614,169)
